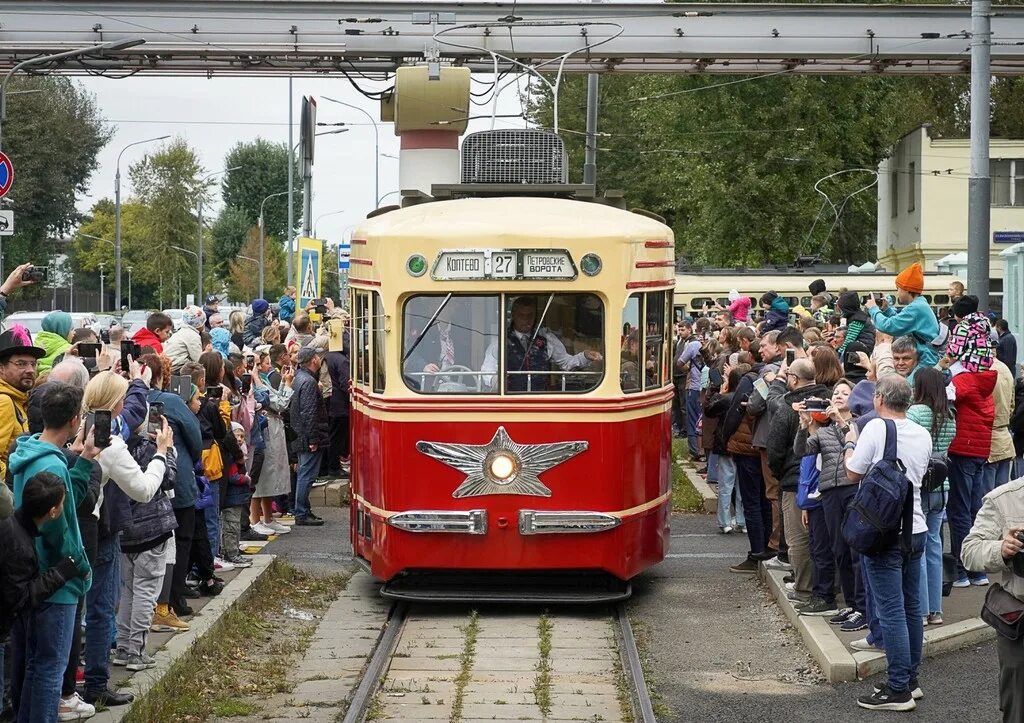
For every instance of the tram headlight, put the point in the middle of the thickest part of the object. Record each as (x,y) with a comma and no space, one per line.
(591,264)
(502,467)
(416,265)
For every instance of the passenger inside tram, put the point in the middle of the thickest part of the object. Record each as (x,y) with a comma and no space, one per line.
(445,340)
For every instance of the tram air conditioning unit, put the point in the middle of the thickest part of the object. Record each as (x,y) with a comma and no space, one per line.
(514,156)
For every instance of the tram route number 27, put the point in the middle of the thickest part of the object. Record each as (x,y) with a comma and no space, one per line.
(503,264)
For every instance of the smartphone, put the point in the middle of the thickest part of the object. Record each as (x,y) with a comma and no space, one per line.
(852,357)
(86,350)
(100,423)
(36,274)
(816,405)
(129,348)
(215,392)
(761,387)
(155,422)
(246,385)
(182,386)
(250,362)
(318,302)
(320,309)
(790,357)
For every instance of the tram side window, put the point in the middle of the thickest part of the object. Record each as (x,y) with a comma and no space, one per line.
(378,343)
(445,340)
(630,352)
(361,327)
(554,344)
(644,361)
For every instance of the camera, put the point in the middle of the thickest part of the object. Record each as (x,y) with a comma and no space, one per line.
(36,274)
(1018,559)
(816,405)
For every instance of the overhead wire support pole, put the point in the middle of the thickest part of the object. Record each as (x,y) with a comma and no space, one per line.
(291,186)
(979,189)
(590,151)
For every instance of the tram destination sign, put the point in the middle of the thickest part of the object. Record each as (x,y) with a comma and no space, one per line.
(503,264)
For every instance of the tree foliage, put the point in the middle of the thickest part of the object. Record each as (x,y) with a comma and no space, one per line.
(244,275)
(229,233)
(53,137)
(262,170)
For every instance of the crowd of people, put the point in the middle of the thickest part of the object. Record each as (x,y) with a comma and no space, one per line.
(789,410)
(132,482)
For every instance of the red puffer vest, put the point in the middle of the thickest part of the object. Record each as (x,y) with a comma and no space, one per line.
(975,411)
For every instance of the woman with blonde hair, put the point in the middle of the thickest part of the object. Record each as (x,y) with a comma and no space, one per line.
(236,325)
(271,334)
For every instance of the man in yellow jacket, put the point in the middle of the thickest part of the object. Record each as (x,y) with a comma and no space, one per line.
(18,358)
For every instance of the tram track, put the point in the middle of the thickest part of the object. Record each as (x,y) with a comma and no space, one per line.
(578,629)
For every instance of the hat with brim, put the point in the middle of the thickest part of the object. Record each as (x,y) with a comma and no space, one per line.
(13,341)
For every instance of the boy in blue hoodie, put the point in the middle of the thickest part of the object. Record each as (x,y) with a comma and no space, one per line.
(41,642)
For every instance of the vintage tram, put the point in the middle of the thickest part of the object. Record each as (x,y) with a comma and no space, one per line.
(511,395)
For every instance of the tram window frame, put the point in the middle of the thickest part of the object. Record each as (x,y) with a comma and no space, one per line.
(378,342)
(361,336)
(645,301)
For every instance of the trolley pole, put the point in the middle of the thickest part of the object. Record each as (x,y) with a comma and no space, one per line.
(590,151)
(979,193)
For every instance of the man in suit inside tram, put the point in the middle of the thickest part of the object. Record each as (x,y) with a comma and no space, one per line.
(443,346)
(528,351)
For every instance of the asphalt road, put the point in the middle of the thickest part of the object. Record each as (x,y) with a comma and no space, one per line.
(721,651)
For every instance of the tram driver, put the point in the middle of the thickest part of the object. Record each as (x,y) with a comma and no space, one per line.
(527,349)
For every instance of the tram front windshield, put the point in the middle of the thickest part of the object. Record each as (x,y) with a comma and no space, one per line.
(503,343)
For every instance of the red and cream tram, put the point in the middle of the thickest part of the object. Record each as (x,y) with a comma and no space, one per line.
(511,389)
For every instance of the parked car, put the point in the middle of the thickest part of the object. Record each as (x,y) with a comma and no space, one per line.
(31,320)
(175,315)
(132,320)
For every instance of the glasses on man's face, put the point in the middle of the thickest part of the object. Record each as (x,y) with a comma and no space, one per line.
(23,363)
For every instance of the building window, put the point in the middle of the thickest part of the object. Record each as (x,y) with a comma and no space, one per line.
(911,186)
(894,194)
(1007,181)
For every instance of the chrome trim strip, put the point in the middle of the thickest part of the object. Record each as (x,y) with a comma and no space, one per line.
(543,522)
(467,522)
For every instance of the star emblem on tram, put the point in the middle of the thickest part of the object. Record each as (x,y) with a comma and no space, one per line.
(502,466)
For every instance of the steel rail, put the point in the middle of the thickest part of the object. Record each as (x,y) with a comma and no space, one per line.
(632,666)
(378,665)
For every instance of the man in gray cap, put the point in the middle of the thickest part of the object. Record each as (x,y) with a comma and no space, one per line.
(308,416)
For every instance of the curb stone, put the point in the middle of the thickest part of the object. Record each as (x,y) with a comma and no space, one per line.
(235,591)
(838,663)
(708,495)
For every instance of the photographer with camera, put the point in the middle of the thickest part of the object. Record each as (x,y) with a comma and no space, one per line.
(995,544)
(22,276)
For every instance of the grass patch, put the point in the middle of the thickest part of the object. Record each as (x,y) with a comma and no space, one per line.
(542,684)
(685,498)
(245,656)
(471,629)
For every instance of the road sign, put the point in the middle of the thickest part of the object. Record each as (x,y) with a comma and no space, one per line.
(6,223)
(309,270)
(344,254)
(6,174)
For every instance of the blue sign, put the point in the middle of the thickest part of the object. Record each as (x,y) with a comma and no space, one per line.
(309,276)
(6,174)
(1008,237)
(344,254)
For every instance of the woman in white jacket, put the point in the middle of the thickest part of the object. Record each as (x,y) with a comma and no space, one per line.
(106,391)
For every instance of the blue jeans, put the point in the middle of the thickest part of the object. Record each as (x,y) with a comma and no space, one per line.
(100,612)
(874,636)
(692,417)
(726,487)
(932,503)
(997,473)
(213,519)
(834,502)
(757,512)
(305,473)
(966,490)
(712,467)
(42,642)
(895,581)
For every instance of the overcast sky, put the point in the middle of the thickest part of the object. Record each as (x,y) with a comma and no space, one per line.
(214,114)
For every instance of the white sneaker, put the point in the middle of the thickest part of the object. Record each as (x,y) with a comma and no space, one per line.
(790,586)
(278,528)
(222,565)
(776,564)
(262,528)
(863,644)
(74,708)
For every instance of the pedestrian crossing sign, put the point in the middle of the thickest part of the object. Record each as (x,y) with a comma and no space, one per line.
(309,270)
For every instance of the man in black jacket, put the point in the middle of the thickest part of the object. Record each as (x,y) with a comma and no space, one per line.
(337,412)
(309,422)
(785,463)
(22,587)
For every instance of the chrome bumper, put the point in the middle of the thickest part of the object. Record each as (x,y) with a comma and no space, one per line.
(536,522)
(470,522)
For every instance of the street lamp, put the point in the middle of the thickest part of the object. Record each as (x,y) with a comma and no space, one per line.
(191,253)
(102,264)
(376,142)
(199,217)
(117,217)
(262,234)
(129,287)
(325,215)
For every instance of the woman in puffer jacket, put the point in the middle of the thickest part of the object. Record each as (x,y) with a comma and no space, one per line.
(776,309)
(826,436)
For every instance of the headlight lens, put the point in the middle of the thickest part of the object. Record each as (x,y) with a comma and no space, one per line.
(502,467)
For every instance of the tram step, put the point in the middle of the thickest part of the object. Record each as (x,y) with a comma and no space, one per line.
(570,587)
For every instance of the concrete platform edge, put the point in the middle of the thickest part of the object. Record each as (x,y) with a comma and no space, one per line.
(234,592)
(708,495)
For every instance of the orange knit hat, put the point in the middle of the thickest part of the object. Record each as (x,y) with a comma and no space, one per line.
(911,279)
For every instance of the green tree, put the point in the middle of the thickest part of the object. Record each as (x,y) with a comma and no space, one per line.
(229,233)
(53,137)
(262,170)
(244,276)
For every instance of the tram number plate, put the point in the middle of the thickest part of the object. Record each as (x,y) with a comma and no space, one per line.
(547,265)
(505,264)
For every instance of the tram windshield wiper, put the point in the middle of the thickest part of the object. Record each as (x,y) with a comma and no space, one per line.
(423,333)
(536,329)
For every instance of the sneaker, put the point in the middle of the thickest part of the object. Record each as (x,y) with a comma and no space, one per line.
(980,581)
(308,522)
(766,555)
(748,566)
(727,530)
(863,644)
(239,561)
(313,516)
(140,662)
(962,582)
(887,699)
(817,607)
(184,611)
(794,597)
(74,707)
(855,622)
(915,689)
(934,618)
(285,516)
(778,564)
(740,529)
(120,657)
(278,528)
(320,482)
(790,586)
(222,565)
(251,535)
(212,588)
(841,617)
(166,621)
(789,578)
(264,530)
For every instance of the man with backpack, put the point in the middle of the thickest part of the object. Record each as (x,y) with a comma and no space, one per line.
(688,361)
(891,456)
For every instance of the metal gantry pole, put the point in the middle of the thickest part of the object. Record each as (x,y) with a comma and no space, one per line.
(199,257)
(291,189)
(979,194)
(590,151)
